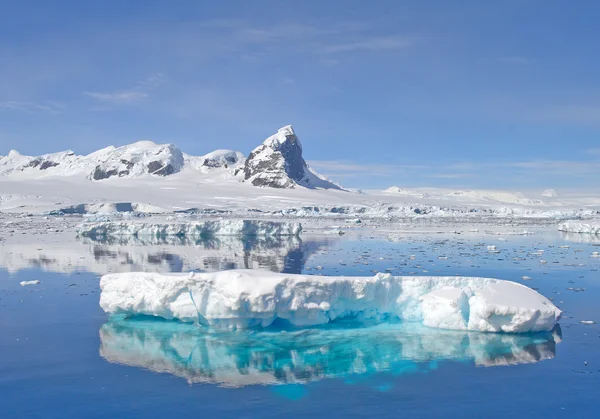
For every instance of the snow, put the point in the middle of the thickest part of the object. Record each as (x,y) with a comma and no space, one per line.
(276,140)
(209,228)
(592,227)
(240,299)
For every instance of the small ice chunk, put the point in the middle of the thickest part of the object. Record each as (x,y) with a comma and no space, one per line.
(26,283)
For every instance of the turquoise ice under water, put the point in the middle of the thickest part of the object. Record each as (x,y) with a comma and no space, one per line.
(62,356)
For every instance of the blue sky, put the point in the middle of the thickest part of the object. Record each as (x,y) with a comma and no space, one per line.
(413,93)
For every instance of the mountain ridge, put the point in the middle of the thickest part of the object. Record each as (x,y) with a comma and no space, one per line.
(276,163)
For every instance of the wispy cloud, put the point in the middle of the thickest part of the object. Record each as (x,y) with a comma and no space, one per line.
(338,168)
(370,43)
(136,94)
(451,175)
(593,151)
(563,167)
(122,97)
(335,37)
(515,59)
(46,106)
(588,115)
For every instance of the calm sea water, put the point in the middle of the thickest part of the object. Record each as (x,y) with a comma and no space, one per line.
(61,356)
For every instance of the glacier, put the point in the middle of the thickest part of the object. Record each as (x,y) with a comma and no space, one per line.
(199,229)
(591,227)
(242,299)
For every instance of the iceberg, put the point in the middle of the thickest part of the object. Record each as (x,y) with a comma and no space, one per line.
(592,227)
(200,229)
(243,299)
(279,357)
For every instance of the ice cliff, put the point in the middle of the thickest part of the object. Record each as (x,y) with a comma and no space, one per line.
(240,299)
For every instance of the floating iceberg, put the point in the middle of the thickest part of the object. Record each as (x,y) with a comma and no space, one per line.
(271,357)
(200,229)
(593,227)
(241,299)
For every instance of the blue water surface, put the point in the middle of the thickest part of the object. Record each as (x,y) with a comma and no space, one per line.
(61,356)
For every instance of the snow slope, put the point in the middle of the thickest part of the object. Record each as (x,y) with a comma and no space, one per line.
(246,298)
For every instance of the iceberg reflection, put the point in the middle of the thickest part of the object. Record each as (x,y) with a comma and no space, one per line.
(168,254)
(298,356)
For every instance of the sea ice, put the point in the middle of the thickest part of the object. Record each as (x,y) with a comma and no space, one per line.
(250,298)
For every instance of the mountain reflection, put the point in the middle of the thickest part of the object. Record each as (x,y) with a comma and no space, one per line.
(168,254)
(300,356)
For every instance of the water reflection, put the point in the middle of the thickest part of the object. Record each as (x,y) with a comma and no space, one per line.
(169,254)
(287,357)
(580,237)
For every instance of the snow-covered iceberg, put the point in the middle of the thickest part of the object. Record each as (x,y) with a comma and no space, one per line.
(199,229)
(240,299)
(591,227)
(271,357)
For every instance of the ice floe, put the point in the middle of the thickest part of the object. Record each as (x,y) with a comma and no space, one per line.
(240,299)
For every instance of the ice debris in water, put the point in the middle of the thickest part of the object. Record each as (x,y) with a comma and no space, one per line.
(25,283)
(210,228)
(248,298)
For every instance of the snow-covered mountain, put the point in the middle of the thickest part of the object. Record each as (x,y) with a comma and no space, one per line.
(276,163)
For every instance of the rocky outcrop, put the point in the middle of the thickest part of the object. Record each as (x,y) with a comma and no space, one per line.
(278,163)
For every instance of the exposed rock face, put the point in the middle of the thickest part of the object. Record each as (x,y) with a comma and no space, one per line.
(222,158)
(138,159)
(278,163)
